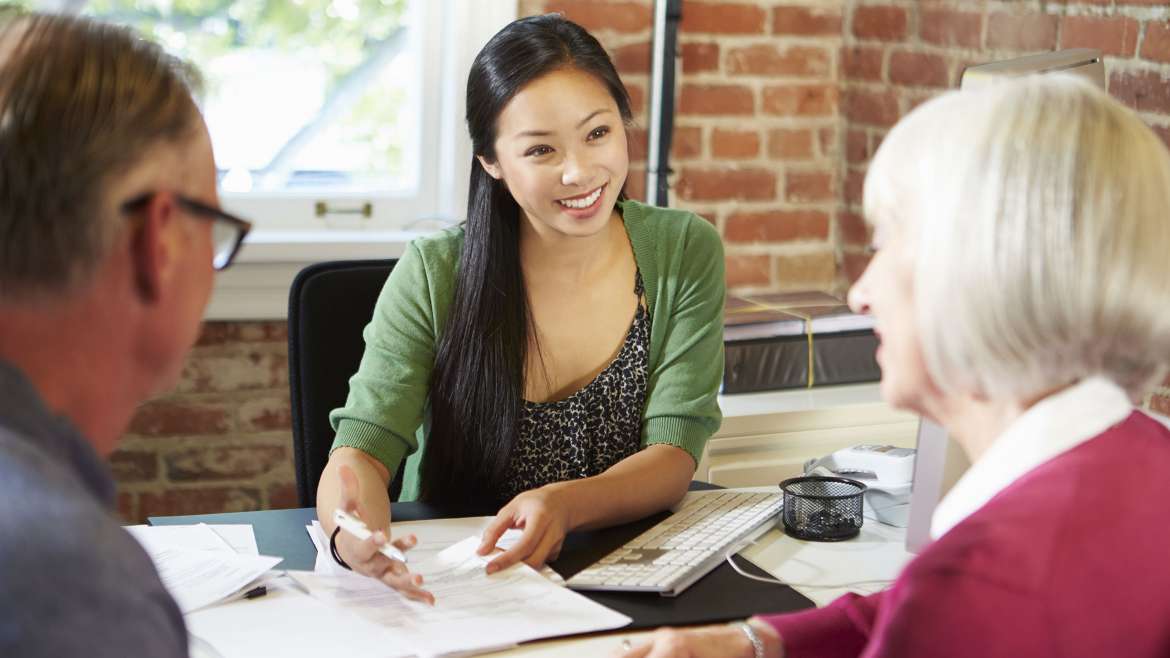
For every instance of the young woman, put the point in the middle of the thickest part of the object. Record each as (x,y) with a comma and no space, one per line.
(561,352)
(1019,287)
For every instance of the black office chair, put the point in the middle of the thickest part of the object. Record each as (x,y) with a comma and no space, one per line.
(329,305)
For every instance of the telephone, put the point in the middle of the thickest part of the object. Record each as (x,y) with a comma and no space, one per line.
(887,472)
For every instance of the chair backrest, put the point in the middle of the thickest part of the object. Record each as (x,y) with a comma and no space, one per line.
(329,305)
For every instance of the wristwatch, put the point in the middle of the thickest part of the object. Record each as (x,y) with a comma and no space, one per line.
(753,637)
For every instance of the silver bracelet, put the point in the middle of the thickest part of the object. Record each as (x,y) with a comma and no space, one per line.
(753,637)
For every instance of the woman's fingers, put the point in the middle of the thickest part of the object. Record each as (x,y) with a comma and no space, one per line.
(530,540)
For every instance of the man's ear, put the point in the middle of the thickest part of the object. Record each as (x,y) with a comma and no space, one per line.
(492,168)
(152,247)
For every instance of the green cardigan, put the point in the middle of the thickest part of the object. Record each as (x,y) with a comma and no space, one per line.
(680,257)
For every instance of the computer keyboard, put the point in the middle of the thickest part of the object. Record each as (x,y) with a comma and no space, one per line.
(685,546)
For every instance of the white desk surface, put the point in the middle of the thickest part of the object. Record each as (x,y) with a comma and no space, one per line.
(799,399)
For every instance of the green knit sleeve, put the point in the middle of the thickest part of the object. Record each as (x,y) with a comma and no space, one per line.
(388,393)
(682,406)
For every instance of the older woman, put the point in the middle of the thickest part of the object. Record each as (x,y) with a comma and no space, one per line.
(1020,285)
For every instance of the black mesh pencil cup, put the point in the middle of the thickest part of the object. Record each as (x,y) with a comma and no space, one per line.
(822,508)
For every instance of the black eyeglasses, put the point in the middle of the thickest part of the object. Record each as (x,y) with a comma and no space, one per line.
(227,234)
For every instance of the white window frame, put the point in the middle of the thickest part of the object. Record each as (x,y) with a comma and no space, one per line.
(289,236)
(256,286)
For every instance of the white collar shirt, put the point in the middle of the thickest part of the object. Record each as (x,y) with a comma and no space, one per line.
(1049,428)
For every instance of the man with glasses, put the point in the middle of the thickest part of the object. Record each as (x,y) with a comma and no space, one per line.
(110,234)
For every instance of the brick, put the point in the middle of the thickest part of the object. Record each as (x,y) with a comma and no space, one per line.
(218,333)
(879,22)
(637,98)
(1156,45)
(265,414)
(748,270)
(777,226)
(702,184)
(596,15)
(687,142)
(918,69)
(208,464)
(828,139)
(133,466)
(128,508)
(1025,32)
(879,108)
(1163,132)
(636,183)
(809,186)
(636,143)
(861,63)
(1160,404)
(1112,35)
(632,58)
(854,185)
(228,333)
(955,29)
(239,370)
(806,21)
(722,18)
(173,417)
(768,59)
(201,500)
(854,264)
(815,271)
(851,228)
(699,57)
(716,100)
(790,143)
(913,100)
(1145,91)
(735,144)
(856,147)
(283,496)
(800,100)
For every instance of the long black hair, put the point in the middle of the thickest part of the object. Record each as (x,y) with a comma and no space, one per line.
(477,386)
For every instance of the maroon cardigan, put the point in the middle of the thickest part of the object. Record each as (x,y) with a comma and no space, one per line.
(1072,559)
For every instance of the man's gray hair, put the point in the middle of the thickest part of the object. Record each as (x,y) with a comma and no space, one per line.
(80,103)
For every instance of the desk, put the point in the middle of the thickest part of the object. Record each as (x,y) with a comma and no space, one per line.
(722,595)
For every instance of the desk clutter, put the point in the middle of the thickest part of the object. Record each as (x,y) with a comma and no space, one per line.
(303,613)
(313,611)
(795,340)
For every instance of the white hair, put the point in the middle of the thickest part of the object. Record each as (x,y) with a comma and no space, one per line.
(1039,211)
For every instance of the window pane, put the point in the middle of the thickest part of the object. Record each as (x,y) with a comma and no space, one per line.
(300,95)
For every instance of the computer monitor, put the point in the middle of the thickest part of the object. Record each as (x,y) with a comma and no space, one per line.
(940,462)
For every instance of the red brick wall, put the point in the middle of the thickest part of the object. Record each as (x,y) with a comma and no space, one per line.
(781,103)
(898,53)
(221,441)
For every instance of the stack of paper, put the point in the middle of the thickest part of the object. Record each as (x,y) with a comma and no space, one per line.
(473,611)
(200,565)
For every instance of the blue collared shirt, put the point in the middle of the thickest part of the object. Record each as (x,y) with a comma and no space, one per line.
(72,581)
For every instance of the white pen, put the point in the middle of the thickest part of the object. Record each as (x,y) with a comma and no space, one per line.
(356,527)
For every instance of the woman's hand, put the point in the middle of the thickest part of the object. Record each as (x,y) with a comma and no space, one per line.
(706,642)
(362,555)
(543,516)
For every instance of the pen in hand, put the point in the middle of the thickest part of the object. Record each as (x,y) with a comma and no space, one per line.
(359,529)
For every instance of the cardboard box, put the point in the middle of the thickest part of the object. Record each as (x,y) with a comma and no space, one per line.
(795,340)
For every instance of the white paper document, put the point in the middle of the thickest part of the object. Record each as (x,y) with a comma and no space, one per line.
(290,624)
(823,571)
(198,566)
(473,611)
(238,537)
(433,536)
